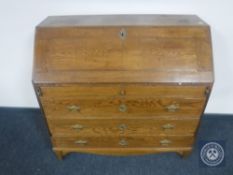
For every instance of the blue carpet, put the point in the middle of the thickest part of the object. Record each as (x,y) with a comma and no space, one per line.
(25,149)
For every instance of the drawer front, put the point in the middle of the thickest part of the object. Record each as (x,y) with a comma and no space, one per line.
(123,142)
(98,90)
(130,48)
(120,107)
(123,127)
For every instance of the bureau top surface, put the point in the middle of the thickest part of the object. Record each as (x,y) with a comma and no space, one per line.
(123,49)
(122,20)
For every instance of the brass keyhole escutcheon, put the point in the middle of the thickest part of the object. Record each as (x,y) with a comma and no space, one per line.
(122,108)
(122,92)
(123,142)
(122,127)
(122,34)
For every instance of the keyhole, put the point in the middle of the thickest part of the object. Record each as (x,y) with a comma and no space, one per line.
(122,34)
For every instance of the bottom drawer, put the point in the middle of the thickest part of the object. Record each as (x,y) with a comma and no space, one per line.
(121,142)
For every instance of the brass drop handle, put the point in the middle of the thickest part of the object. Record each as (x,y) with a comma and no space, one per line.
(173,107)
(81,142)
(73,108)
(122,127)
(123,142)
(165,142)
(77,127)
(168,126)
(122,108)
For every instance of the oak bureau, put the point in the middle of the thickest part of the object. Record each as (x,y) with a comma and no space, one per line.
(123,84)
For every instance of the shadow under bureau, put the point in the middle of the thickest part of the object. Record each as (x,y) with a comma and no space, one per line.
(123,84)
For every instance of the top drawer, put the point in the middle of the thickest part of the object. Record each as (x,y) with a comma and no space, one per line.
(73,91)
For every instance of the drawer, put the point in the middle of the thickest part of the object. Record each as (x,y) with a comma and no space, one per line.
(120,107)
(96,90)
(121,127)
(123,142)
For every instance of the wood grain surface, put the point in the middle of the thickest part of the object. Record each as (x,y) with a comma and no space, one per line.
(123,84)
(120,90)
(78,54)
(122,127)
(123,142)
(132,107)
